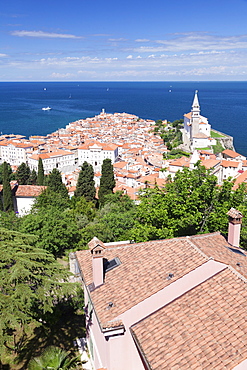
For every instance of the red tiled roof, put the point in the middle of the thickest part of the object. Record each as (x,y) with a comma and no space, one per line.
(29,190)
(226,163)
(203,329)
(140,274)
(230,153)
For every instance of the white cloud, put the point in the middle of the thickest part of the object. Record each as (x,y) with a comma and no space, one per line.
(3,55)
(195,41)
(119,39)
(142,40)
(41,34)
(129,57)
(61,75)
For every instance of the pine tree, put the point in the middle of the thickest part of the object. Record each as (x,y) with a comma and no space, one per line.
(54,182)
(10,173)
(7,193)
(40,178)
(85,185)
(32,178)
(23,173)
(107,181)
(31,281)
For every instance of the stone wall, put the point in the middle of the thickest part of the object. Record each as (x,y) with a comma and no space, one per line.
(226,141)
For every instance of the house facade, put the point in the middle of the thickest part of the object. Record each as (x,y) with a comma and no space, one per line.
(14,153)
(57,159)
(166,304)
(95,152)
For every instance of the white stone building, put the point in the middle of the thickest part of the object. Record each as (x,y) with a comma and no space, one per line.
(197,130)
(59,159)
(95,152)
(14,153)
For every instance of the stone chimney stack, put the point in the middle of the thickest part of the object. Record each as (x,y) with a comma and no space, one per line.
(97,250)
(234,226)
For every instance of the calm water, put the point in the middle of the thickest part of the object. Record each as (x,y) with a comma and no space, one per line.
(223,103)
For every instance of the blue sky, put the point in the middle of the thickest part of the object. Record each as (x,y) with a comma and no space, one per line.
(131,40)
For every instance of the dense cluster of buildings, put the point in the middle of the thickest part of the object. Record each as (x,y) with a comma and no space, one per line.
(169,304)
(135,150)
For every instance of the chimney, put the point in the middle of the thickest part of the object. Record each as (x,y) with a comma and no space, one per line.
(97,250)
(234,226)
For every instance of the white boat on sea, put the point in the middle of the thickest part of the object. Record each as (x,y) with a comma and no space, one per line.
(46,108)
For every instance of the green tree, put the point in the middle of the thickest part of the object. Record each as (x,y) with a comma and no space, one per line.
(53,358)
(41,176)
(54,182)
(32,282)
(118,215)
(107,181)
(7,193)
(192,203)
(10,172)
(83,211)
(32,178)
(85,185)
(56,229)
(9,220)
(49,199)
(23,173)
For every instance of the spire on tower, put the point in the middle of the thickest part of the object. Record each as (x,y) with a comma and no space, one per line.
(196,101)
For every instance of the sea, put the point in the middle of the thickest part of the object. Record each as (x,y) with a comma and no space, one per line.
(21,103)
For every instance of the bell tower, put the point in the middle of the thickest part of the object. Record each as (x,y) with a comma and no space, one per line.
(195,116)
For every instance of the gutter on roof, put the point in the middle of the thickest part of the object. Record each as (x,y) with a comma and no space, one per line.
(140,350)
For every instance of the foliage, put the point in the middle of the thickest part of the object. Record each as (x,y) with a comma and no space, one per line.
(9,170)
(176,153)
(22,174)
(170,132)
(107,181)
(95,228)
(9,220)
(40,176)
(49,198)
(118,215)
(57,230)
(53,358)
(54,182)
(32,283)
(192,203)
(32,178)
(83,211)
(218,148)
(113,222)
(7,193)
(85,185)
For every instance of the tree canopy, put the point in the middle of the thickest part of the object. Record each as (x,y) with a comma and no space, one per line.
(23,173)
(192,203)
(31,281)
(40,176)
(7,197)
(54,182)
(11,176)
(85,185)
(107,180)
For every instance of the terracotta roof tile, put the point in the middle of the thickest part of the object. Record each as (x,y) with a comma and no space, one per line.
(201,329)
(226,163)
(230,153)
(143,272)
